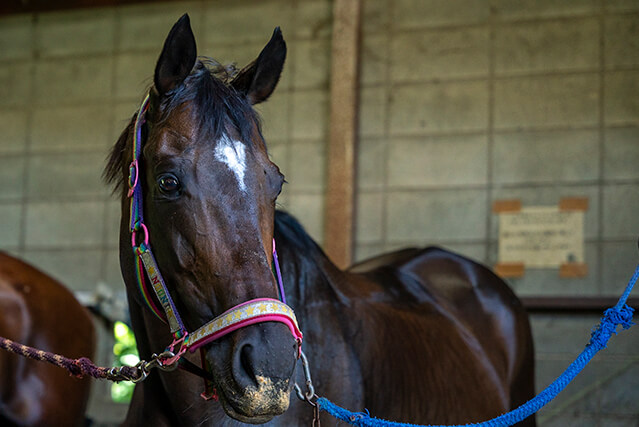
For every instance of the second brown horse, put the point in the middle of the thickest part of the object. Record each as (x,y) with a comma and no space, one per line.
(38,311)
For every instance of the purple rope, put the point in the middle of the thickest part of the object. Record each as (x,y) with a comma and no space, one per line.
(136,204)
(79,368)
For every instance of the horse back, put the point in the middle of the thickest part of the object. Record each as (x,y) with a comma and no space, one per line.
(38,311)
(450,295)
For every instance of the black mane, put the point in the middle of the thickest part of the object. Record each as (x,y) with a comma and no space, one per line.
(289,230)
(217,104)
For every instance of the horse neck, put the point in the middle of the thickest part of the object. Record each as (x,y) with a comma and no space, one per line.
(308,274)
(305,281)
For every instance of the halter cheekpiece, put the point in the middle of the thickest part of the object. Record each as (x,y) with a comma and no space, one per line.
(248,313)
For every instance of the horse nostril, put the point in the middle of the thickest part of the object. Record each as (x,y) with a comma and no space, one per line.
(246,374)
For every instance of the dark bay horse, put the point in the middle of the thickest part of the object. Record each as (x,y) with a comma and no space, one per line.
(420,335)
(38,311)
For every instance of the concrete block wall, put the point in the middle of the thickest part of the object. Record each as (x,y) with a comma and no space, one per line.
(463,102)
(466,102)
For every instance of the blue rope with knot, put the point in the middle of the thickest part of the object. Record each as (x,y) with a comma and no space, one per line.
(620,314)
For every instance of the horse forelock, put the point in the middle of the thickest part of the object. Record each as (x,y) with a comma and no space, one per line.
(217,106)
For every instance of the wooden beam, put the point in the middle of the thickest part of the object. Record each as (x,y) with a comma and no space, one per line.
(340,192)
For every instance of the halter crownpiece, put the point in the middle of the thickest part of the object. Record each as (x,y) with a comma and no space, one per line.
(245,314)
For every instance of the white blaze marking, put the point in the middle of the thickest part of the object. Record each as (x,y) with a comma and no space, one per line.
(232,153)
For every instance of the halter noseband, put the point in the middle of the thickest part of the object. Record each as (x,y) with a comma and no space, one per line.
(248,313)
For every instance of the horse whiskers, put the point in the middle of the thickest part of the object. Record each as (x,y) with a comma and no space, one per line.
(207,418)
(210,414)
(188,408)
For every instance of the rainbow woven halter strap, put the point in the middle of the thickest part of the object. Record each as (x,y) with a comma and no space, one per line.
(245,314)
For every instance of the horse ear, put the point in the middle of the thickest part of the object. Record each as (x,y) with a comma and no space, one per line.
(258,79)
(177,58)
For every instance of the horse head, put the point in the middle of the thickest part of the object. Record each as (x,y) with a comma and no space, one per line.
(209,192)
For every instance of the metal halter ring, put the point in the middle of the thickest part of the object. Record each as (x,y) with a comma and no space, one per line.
(117,374)
(145,240)
(309,396)
(143,372)
(157,361)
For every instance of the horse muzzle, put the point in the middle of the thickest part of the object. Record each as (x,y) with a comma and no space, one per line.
(258,404)
(253,370)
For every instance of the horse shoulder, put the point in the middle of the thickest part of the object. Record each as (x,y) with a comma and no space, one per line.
(481,300)
(59,320)
(441,311)
(14,325)
(39,312)
(475,296)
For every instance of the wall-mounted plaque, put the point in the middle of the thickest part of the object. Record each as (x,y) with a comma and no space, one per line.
(541,237)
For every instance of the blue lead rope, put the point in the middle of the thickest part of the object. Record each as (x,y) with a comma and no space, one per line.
(620,314)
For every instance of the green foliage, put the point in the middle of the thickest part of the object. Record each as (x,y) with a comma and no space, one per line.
(126,354)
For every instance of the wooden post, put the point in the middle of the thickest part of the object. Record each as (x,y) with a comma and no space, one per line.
(340,193)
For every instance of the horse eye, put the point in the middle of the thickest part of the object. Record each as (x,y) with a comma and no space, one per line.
(169,184)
